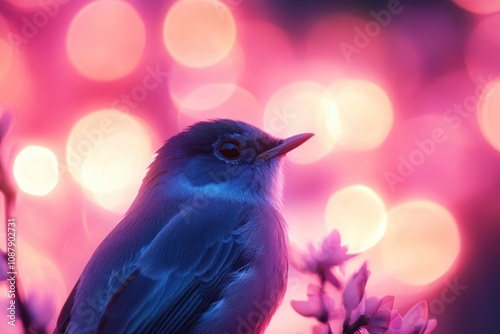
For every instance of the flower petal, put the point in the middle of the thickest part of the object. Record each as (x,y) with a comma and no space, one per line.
(358,311)
(431,325)
(330,277)
(380,322)
(396,322)
(332,240)
(372,305)
(387,302)
(415,320)
(417,312)
(355,289)
(416,317)
(306,308)
(296,257)
(313,306)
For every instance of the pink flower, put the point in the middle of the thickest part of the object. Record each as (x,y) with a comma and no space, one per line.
(415,321)
(320,261)
(355,290)
(374,314)
(318,304)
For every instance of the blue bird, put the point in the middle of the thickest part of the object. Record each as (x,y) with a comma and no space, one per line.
(203,247)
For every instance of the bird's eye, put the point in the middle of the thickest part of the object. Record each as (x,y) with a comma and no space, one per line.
(230,149)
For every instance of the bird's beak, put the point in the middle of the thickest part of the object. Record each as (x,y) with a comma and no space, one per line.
(287,145)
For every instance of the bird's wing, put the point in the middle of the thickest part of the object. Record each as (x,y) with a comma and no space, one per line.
(65,315)
(180,274)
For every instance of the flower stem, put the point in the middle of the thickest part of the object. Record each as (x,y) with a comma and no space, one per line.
(324,318)
(356,326)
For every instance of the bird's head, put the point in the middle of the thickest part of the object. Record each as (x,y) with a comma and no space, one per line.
(222,158)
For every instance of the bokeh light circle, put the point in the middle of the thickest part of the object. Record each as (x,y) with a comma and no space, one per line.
(421,242)
(207,97)
(107,153)
(241,105)
(106,40)
(358,213)
(479,6)
(199,33)
(300,107)
(365,113)
(489,113)
(205,88)
(36,170)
